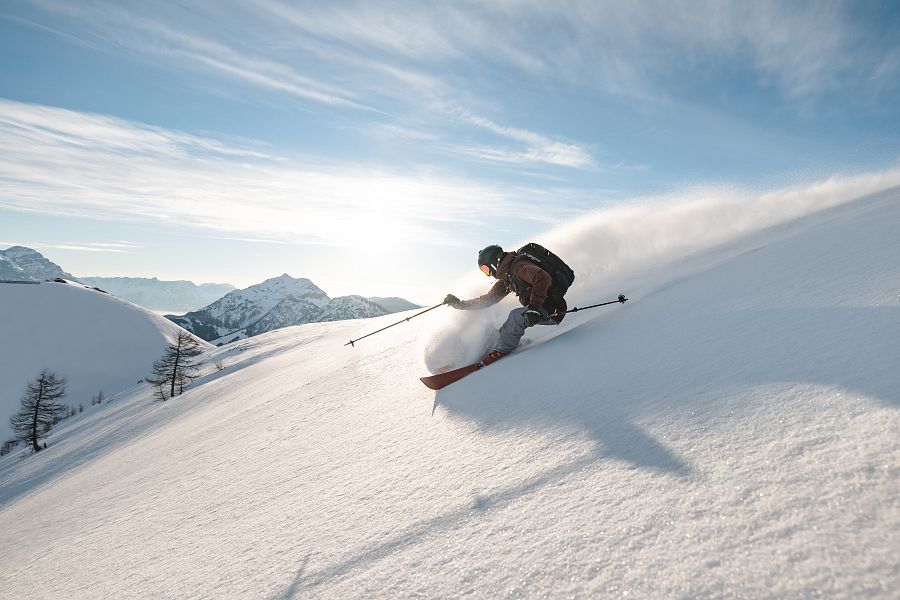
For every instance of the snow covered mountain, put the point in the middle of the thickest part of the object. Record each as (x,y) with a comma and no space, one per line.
(298,311)
(350,307)
(731,431)
(97,342)
(24,264)
(290,311)
(175,296)
(241,308)
(275,303)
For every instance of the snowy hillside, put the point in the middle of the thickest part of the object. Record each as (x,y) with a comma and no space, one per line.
(731,431)
(97,342)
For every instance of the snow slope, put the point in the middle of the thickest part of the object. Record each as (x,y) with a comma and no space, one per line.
(97,342)
(732,431)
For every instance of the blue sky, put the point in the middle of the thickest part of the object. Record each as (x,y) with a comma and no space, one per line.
(374,147)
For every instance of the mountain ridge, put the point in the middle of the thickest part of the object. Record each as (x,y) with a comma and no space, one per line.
(158,294)
(275,303)
(249,315)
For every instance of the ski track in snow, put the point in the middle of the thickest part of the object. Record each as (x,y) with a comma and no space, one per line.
(729,432)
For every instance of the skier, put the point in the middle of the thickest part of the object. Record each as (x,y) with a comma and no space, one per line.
(541,296)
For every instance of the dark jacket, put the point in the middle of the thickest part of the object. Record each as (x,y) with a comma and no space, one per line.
(530,284)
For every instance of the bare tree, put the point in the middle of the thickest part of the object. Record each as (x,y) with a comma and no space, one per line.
(160,391)
(178,366)
(41,408)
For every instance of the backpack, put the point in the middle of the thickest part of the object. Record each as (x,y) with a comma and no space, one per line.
(561,274)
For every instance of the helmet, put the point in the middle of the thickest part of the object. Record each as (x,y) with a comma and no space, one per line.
(490,258)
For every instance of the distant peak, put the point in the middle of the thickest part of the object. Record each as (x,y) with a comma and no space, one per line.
(284,278)
(19,250)
(285,283)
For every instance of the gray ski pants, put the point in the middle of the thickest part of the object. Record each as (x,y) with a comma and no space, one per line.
(514,328)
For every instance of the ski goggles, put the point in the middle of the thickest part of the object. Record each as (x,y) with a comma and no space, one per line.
(486,269)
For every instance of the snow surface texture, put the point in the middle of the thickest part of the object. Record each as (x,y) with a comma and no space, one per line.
(97,342)
(732,431)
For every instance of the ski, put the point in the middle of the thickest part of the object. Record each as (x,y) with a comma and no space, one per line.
(442,380)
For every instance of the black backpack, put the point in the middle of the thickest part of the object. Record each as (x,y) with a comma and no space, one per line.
(561,274)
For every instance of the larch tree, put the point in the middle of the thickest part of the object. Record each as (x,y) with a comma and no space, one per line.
(41,408)
(178,366)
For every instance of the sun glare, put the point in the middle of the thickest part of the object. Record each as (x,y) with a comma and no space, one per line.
(376,236)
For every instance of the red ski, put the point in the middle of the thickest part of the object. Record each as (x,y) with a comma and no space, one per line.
(441,380)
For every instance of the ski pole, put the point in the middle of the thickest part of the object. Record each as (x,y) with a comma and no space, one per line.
(353,342)
(620,300)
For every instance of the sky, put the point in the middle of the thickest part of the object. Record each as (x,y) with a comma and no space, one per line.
(374,147)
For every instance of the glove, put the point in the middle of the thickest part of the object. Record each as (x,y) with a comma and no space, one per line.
(452,301)
(532,317)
